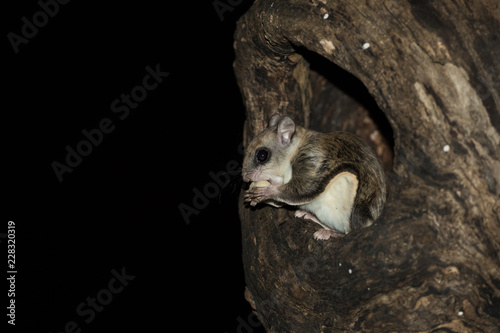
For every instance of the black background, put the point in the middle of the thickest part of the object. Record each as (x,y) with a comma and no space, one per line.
(118,208)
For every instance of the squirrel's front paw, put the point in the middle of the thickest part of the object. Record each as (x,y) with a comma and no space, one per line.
(259,194)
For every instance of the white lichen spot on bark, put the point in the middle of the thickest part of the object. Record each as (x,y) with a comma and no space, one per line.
(327,45)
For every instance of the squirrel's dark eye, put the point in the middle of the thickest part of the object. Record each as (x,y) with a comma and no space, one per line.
(262,155)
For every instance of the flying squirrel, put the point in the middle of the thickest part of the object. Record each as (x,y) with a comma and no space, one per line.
(334,179)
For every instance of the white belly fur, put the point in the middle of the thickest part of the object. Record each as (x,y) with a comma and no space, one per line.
(333,207)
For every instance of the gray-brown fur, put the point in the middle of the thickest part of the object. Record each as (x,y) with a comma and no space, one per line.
(321,157)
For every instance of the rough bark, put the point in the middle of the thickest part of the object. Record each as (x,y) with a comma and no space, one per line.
(431,263)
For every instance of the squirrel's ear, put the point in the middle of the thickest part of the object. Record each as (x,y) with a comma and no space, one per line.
(286,130)
(274,119)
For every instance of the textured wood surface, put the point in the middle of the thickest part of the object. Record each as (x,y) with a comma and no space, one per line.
(432,261)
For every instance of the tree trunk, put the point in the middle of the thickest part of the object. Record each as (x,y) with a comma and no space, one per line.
(431,263)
